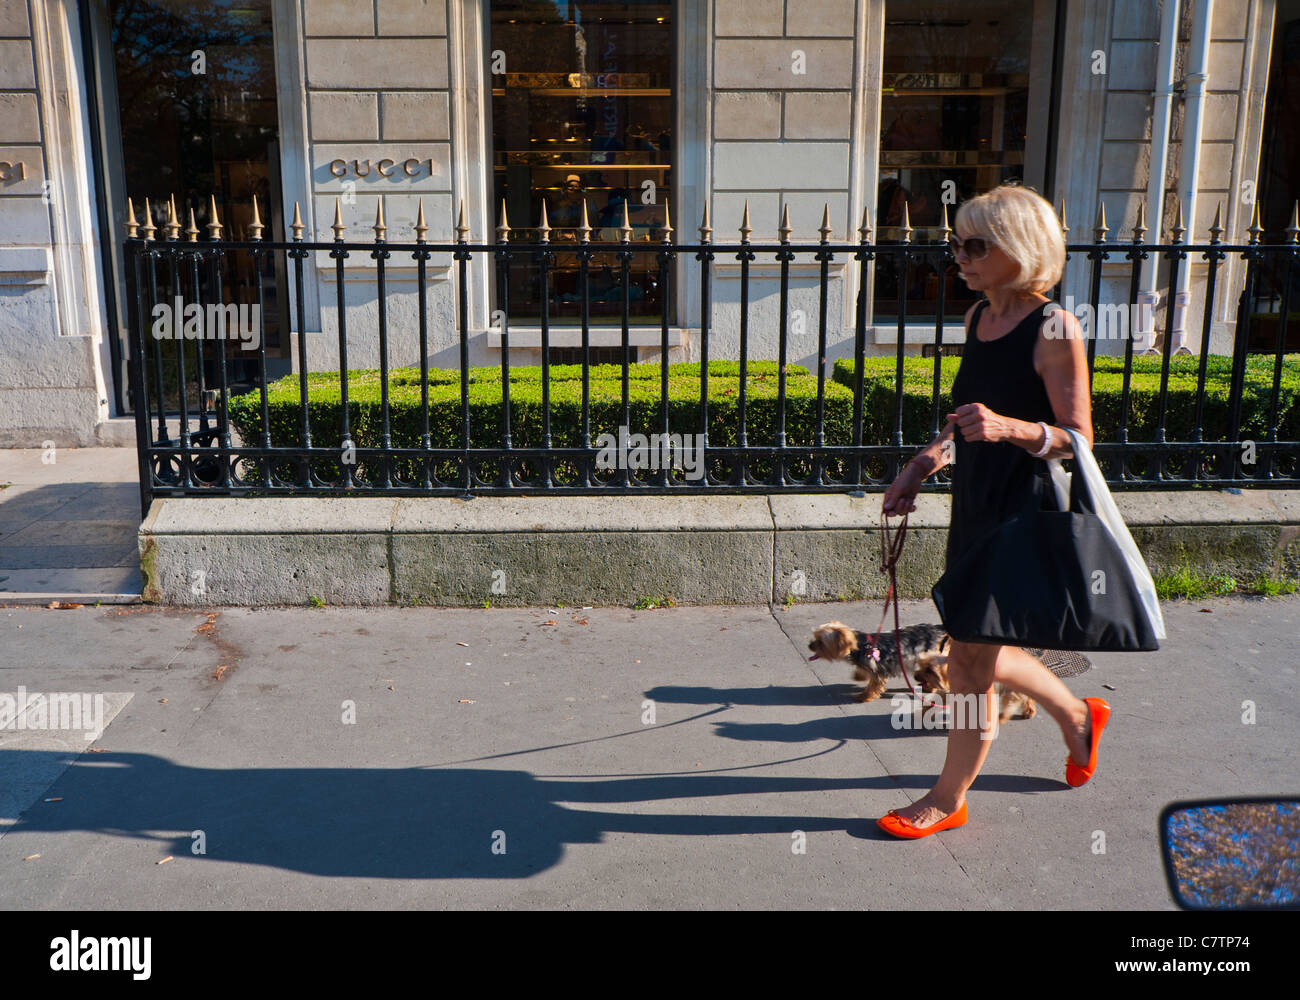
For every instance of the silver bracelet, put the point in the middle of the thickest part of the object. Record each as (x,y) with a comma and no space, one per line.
(1047,441)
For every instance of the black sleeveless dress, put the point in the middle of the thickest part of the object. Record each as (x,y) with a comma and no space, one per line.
(991,480)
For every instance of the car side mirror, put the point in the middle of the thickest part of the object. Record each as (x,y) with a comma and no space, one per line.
(1232,854)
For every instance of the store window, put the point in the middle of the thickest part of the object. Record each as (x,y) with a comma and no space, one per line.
(1279,183)
(582,110)
(955,113)
(189,92)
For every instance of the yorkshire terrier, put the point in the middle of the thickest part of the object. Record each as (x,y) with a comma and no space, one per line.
(876,663)
(925,656)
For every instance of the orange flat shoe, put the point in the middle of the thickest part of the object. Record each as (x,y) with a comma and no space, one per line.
(894,824)
(1076,774)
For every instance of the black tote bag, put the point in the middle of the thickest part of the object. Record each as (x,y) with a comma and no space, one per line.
(1057,579)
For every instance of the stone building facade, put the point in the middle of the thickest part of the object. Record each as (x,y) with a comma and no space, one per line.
(851,107)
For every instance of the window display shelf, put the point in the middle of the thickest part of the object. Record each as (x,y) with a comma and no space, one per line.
(950,91)
(586,91)
(950,159)
(581,165)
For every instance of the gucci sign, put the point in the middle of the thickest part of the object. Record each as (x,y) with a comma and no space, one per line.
(384,168)
(13,171)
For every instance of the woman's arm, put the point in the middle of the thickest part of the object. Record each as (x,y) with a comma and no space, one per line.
(936,454)
(1062,364)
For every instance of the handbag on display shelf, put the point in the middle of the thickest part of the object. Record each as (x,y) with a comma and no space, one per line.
(1068,579)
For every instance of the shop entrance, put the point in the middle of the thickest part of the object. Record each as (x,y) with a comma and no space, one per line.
(187,114)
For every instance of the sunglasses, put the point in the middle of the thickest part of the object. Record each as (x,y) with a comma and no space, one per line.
(976,248)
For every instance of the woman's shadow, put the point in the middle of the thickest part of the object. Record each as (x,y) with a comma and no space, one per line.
(431,822)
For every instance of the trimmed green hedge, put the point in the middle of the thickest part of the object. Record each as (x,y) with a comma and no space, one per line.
(485,397)
(639,372)
(1107,388)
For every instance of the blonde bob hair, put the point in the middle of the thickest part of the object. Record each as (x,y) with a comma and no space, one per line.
(1022,225)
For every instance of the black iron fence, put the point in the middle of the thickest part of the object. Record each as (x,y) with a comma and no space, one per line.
(737,424)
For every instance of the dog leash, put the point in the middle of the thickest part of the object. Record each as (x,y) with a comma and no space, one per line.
(891,548)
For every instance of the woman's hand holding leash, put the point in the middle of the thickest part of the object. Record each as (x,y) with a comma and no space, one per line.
(900,498)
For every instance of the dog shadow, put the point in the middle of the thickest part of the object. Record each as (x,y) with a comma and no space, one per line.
(808,695)
(855,727)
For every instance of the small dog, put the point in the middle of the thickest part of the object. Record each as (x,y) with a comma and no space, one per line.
(876,664)
(933,676)
(925,649)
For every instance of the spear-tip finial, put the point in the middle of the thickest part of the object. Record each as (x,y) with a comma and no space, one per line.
(1255,230)
(1177,229)
(785,229)
(907,224)
(192,231)
(706,226)
(503,227)
(945,230)
(421,227)
(1293,230)
(215,226)
(462,227)
(625,230)
(825,227)
(745,227)
(1216,230)
(296,225)
(864,230)
(668,224)
(173,225)
(544,230)
(1065,226)
(1100,229)
(132,226)
(338,227)
(148,229)
(381,229)
(1140,227)
(255,227)
(584,230)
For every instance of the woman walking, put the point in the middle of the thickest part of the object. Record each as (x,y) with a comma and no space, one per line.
(1023,377)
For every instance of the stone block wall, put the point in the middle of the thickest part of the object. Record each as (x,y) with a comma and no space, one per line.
(783,103)
(378,98)
(49,389)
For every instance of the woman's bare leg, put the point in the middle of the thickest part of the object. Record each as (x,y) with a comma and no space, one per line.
(1022,672)
(971,669)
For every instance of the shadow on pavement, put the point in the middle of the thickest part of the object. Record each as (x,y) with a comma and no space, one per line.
(439,822)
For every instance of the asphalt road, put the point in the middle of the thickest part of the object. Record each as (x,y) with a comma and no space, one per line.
(365,758)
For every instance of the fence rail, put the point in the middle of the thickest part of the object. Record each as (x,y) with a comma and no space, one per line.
(508,432)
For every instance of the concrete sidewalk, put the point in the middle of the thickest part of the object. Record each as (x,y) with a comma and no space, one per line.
(506,758)
(68,526)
